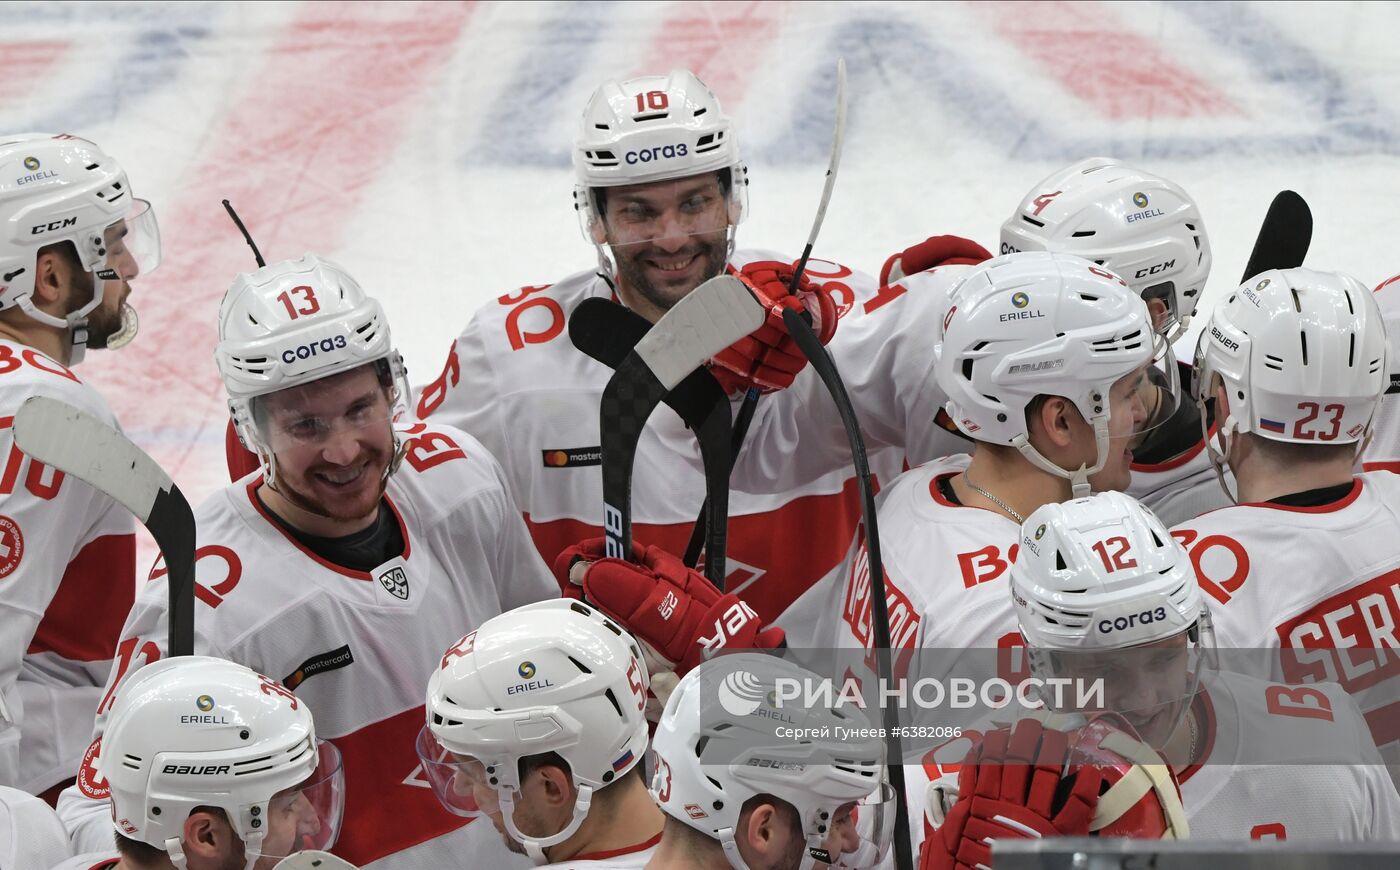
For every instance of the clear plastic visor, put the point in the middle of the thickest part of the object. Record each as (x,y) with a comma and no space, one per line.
(673,216)
(322,413)
(132,244)
(1149,685)
(460,782)
(306,816)
(861,832)
(1158,388)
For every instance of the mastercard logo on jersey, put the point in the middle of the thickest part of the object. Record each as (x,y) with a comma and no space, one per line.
(572,457)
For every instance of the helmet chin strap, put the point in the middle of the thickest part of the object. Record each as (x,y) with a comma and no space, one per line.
(535,846)
(731,849)
(1218,449)
(1079,478)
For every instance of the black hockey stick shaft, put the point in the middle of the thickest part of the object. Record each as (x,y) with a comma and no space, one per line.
(1284,236)
(704,322)
(825,367)
(750,403)
(607,332)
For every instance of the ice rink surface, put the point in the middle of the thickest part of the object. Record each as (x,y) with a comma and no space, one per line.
(425,146)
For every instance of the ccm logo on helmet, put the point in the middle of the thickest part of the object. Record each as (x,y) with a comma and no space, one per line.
(53,225)
(306,351)
(660,152)
(196,770)
(1147,617)
(1153,270)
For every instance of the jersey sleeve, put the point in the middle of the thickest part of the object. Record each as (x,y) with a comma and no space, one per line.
(884,353)
(520,573)
(67,580)
(86,815)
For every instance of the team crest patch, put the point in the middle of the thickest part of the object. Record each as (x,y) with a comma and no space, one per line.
(90,782)
(396,582)
(11,546)
(572,457)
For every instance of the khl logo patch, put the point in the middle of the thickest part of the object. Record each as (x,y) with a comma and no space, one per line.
(396,581)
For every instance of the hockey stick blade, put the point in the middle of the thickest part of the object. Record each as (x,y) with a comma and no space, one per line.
(825,367)
(314,861)
(77,443)
(607,332)
(707,320)
(1284,236)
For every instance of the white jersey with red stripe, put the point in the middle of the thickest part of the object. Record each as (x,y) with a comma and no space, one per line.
(1334,788)
(630,858)
(946,569)
(1181,488)
(356,646)
(1313,579)
(67,579)
(1383,453)
(515,381)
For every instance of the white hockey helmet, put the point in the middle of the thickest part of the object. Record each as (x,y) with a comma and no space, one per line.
(1102,573)
(717,746)
(1303,358)
(1040,323)
(290,323)
(195,731)
(1136,224)
(553,676)
(59,188)
(650,129)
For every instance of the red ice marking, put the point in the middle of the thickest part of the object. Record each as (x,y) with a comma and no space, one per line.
(1095,55)
(313,125)
(717,42)
(23,64)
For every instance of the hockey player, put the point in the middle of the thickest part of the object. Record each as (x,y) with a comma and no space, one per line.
(352,559)
(210,766)
(748,784)
(1041,356)
(1296,362)
(537,719)
(1102,591)
(661,190)
(1149,231)
(74,239)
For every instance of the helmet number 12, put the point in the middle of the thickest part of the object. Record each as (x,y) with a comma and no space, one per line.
(308,303)
(1119,560)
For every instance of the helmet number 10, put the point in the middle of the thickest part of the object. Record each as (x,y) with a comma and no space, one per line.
(656,101)
(308,303)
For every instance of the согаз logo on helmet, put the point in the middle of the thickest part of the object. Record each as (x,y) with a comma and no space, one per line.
(740,693)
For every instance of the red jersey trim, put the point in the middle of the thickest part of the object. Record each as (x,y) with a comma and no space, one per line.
(613,853)
(1328,508)
(1207,721)
(339,569)
(1392,467)
(1177,462)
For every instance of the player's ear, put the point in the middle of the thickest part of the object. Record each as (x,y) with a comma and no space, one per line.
(1222,398)
(553,785)
(760,831)
(1055,418)
(207,836)
(1157,310)
(51,276)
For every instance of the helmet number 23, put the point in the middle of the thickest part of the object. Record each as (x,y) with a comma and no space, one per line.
(306,304)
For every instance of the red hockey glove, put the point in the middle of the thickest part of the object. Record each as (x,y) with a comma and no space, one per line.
(1007,787)
(672,611)
(241,461)
(930,253)
(769,359)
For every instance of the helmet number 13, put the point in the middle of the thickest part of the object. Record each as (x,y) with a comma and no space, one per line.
(306,304)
